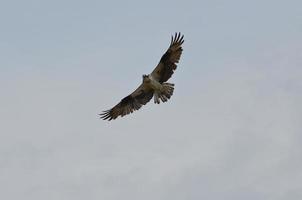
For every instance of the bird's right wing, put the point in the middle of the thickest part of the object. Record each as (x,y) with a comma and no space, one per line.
(130,103)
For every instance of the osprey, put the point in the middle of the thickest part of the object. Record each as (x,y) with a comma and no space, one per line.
(153,84)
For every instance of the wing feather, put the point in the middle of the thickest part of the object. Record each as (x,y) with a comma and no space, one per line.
(167,64)
(130,103)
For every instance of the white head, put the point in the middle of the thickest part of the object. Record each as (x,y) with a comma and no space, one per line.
(146,78)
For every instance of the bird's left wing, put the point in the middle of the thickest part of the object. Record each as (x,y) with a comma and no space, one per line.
(167,64)
(130,103)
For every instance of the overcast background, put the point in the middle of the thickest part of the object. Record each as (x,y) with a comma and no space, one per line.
(232,129)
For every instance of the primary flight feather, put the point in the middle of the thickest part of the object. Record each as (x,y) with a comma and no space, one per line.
(153,84)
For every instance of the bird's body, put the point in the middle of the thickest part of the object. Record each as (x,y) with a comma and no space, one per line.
(161,91)
(153,84)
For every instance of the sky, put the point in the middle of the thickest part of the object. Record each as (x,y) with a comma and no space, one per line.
(232,130)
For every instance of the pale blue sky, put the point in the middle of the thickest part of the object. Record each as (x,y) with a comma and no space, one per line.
(232,129)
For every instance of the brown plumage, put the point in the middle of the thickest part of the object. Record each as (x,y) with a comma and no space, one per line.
(167,64)
(130,103)
(153,84)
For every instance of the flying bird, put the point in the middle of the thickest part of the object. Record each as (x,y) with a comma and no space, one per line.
(153,85)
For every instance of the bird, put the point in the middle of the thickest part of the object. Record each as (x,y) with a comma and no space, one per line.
(153,85)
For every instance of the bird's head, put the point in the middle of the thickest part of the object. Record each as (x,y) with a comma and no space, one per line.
(145,78)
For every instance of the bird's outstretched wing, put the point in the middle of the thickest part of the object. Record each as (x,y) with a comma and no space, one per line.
(130,103)
(167,63)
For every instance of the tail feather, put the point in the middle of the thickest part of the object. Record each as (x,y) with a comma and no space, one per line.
(165,94)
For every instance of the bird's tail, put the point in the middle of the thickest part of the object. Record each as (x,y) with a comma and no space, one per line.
(165,94)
